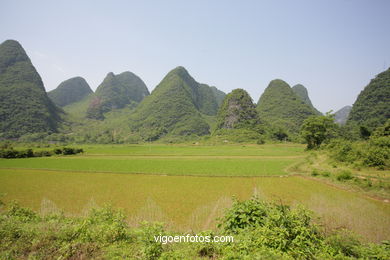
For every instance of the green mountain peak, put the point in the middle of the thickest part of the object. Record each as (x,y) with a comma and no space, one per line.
(115,92)
(280,106)
(175,107)
(302,92)
(25,107)
(372,107)
(70,91)
(237,111)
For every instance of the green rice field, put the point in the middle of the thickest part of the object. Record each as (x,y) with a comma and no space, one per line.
(186,187)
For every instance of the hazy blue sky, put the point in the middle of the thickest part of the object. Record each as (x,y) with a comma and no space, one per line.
(333,48)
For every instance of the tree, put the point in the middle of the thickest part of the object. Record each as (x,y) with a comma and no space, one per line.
(317,129)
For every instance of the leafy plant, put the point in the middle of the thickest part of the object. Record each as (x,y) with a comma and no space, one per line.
(317,129)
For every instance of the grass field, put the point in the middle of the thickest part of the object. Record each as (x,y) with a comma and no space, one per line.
(183,202)
(171,160)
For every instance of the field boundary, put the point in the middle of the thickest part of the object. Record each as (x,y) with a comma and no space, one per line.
(152,174)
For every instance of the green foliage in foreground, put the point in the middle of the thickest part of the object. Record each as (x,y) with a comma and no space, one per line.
(261,231)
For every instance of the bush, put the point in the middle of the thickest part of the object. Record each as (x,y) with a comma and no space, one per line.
(11,153)
(277,227)
(372,153)
(315,172)
(71,151)
(150,249)
(345,242)
(43,153)
(344,175)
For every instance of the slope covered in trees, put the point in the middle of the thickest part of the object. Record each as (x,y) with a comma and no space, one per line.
(70,91)
(279,106)
(24,105)
(116,91)
(237,111)
(302,92)
(173,107)
(371,108)
(218,94)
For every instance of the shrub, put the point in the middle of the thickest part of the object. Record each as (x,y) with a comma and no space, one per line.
(71,151)
(260,141)
(43,153)
(103,225)
(276,227)
(344,175)
(57,151)
(345,242)
(150,249)
(11,153)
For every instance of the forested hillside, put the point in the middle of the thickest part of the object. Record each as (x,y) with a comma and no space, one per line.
(116,91)
(279,106)
(174,107)
(70,91)
(25,107)
(372,107)
(302,92)
(237,111)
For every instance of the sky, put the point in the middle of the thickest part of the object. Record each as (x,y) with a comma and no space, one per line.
(332,47)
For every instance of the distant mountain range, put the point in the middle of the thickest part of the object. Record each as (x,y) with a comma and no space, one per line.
(178,106)
(70,91)
(341,116)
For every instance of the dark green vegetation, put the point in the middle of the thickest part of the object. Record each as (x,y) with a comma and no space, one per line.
(317,129)
(302,92)
(341,116)
(24,105)
(175,107)
(374,152)
(372,109)
(237,119)
(116,91)
(260,230)
(70,91)
(237,111)
(11,153)
(219,95)
(361,165)
(281,108)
